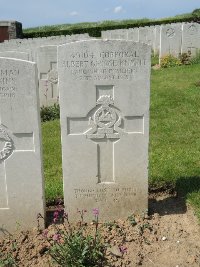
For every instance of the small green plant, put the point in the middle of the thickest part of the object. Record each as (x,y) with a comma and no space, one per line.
(154,60)
(132,220)
(143,227)
(74,246)
(7,260)
(50,113)
(110,225)
(185,58)
(169,61)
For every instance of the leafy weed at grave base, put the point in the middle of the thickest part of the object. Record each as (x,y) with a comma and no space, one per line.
(50,113)
(73,246)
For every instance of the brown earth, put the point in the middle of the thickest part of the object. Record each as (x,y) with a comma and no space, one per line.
(168,237)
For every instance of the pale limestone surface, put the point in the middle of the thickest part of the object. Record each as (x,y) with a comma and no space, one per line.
(46,59)
(156,47)
(146,35)
(21,174)
(104,99)
(170,39)
(115,34)
(119,34)
(105,34)
(32,44)
(190,38)
(133,34)
(48,75)
(15,54)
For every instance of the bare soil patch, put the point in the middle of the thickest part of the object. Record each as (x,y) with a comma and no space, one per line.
(168,237)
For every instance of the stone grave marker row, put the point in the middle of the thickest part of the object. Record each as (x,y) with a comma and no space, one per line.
(105,89)
(174,39)
(46,57)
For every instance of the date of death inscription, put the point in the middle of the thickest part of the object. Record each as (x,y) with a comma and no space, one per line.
(105,194)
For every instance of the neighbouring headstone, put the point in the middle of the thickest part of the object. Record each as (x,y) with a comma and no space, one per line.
(156,47)
(146,35)
(48,75)
(133,34)
(191,38)
(104,102)
(15,54)
(21,175)
(115,34)
(105,34)
(170,39)
(119,34)
(46,58)
(31,45)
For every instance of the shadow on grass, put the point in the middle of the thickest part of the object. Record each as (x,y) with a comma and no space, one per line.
(187,185)
(165,204)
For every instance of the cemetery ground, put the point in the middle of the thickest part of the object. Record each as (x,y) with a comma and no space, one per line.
(170,234)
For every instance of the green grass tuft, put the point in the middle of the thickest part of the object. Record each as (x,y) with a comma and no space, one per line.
(52,160)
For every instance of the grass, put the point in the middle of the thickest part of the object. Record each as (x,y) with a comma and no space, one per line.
(175,131)
(174,152)
(154,59)
(52,160)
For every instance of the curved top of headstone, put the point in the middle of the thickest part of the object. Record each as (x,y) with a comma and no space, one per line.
(109,41)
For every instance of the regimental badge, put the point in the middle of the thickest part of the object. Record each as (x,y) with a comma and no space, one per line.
(8,145)
(106,120)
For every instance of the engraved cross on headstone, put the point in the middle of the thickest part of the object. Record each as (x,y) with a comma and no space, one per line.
(51,77)
(107,126)
(10,143)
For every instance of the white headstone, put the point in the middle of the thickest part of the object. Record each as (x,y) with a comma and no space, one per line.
(133,34)
(104,99)
(157,40)
(119,34)
(105,34)
(146,35)
(170,39)
(191,38)
(15,54)
(21,179)
(48,75)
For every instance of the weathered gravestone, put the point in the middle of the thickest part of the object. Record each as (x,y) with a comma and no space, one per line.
(119,34)
(15,54)
(146,35)
(48,75)
(157,40)
(21,180)
(46,58)
(105,34)
(104,99)
(170,39)
(133,34)
(115,34)
(190,38)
